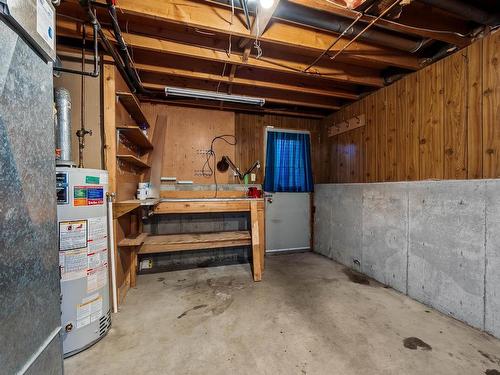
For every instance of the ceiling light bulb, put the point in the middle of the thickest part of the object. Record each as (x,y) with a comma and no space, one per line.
(266,4)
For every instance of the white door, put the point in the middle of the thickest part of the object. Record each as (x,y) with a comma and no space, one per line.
(288,222)
(288,214)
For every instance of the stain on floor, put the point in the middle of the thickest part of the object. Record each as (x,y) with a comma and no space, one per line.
(414,343)
(191,309)
(490,357)
(492,372)
(356,277)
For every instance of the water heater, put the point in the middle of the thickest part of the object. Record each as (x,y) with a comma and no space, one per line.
(83,256)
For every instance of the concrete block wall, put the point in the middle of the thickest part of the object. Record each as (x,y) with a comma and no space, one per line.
(436,241)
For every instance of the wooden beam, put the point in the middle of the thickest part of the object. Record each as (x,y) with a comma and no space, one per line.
(340,73)
(208,16)
(184,73)
(424,32)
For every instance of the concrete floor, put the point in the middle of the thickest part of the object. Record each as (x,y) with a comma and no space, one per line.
(307,316)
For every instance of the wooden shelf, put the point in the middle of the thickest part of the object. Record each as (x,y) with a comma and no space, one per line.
(124,207)
(194,241)
(133,107)
(136,136)
(132,160)
(133,241)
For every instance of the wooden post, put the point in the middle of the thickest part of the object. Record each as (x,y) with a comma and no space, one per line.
(256,247)
(262,237)
(110,125)
(133,266)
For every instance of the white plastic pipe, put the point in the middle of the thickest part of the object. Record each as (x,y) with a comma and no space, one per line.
(111,247)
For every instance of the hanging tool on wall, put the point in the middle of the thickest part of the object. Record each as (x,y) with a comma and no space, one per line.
(225,163)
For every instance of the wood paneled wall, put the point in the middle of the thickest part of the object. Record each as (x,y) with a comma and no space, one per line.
(189,131)
(442,122)
(250,134)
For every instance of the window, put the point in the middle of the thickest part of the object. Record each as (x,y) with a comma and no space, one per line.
(288,162)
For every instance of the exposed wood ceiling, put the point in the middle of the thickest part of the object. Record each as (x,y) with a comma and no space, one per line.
(202,44)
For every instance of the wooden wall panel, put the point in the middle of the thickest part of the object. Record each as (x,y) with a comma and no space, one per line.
(188,132)
(491,106)
(455,116)
(370,140)
(442,122)
(391,135)
(381,125)
(431,122)
(400,130)
(474,110)
(412,102)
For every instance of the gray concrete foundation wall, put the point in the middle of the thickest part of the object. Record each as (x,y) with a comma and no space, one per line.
(436,241)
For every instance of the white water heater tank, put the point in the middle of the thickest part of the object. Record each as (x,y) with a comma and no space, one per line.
(83,256)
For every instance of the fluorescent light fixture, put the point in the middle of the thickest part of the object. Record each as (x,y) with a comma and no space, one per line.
(212,95)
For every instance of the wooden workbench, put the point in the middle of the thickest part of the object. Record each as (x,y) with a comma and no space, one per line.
(256,237)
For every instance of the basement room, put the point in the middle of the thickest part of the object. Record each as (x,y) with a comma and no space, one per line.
(261,187)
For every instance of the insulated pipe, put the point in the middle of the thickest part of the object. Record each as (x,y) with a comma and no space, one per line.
(62,100)
(329,22)
(466,11)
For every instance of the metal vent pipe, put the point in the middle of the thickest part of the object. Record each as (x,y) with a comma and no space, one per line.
(62,100)
(331,23)
(466,11)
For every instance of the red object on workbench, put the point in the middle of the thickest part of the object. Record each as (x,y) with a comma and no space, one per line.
(253,192)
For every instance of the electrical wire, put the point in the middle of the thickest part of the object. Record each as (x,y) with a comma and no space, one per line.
(222,75)
(207,170)
(256,43)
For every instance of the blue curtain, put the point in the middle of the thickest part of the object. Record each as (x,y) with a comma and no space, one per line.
(288,163)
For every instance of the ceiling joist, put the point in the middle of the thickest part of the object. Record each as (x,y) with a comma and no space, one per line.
(344,73)
(205,15)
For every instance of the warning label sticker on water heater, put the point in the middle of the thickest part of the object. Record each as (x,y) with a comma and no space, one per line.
(89,311)
(88,195)
(83,251)
(72,234)
(73,264)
